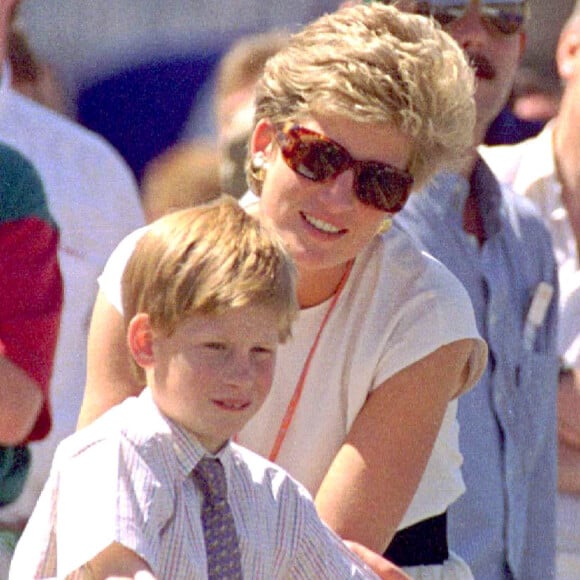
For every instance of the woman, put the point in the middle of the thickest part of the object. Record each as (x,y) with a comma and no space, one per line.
(361,104)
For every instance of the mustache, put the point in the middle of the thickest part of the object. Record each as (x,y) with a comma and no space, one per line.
(483,67)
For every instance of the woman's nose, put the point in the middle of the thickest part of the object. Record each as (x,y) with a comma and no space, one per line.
(338,191)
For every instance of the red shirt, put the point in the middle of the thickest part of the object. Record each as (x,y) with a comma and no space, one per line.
(30,303)
(31,288)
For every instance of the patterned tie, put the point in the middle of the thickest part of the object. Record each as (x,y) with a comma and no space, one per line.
(219,529)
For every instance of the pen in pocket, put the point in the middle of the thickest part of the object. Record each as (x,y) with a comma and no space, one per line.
(537,313)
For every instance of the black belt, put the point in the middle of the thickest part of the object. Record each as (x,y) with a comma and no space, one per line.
(422,544)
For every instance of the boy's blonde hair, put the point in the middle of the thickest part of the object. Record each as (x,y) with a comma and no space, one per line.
(377,65)
(208,259)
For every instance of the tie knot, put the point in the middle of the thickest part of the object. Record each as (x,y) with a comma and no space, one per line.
(211,477)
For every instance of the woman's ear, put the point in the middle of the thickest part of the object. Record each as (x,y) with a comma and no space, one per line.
(140,340)
(261,142)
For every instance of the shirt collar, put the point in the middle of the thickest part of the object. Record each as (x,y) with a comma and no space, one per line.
(450,191)
(188,450)
(5,78)
(542,160)
(487,191)
(538,177)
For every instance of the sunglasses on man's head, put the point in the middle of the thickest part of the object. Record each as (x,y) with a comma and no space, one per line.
(318,158)
(506,17)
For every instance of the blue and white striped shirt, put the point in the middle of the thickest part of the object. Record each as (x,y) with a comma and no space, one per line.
(127,479)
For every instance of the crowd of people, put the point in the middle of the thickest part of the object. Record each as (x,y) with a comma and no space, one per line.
(365,365)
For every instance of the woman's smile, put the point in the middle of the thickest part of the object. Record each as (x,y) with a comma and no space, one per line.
(322,225)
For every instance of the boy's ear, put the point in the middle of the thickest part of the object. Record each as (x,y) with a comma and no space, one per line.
(140,339)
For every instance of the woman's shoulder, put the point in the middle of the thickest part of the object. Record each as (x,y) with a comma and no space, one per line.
(399,285)
(397,261)
(110,278)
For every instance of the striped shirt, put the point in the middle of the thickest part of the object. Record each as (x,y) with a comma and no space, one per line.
(127,479)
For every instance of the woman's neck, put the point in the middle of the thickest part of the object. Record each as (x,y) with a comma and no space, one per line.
(317,286)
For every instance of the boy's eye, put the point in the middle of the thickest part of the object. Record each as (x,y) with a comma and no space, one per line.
(215,345)
(263,350)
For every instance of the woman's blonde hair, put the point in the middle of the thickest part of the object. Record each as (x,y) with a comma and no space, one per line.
(377,65)
(208,259)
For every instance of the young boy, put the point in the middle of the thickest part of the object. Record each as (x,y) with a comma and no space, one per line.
(208,295)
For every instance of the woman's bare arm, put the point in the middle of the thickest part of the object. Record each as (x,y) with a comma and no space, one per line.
(374,476)
(110,378)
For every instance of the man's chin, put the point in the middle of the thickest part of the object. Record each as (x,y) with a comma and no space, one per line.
(487,110)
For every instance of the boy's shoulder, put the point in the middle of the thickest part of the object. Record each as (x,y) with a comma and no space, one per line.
(134,424)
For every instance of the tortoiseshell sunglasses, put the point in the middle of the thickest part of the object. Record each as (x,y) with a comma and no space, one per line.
(318,158)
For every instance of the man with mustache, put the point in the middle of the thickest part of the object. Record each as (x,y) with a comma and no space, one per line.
(496,244)
(546,169)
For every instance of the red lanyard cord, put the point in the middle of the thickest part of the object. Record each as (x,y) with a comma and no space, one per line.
(293,404)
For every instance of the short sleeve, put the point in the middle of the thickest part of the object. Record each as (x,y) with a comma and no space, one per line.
(439,313)
(110,279)
(107,493)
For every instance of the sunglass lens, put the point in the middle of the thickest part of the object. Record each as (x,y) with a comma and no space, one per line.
(507,18)
(383,188)
(316,159)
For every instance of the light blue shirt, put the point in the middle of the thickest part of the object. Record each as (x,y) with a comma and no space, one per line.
(504,525)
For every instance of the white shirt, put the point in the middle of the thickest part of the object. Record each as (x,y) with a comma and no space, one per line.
(397,306)
(127,478)
(529,169)
(94,199)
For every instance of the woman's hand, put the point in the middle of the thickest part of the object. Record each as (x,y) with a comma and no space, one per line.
(381,567)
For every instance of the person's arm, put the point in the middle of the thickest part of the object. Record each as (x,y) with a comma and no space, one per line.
(568,469)
(110,377)
(569,409)
(569,433)
(21,403)
(375,474)
(116,562)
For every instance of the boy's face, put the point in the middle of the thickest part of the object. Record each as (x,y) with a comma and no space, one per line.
(213,374)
